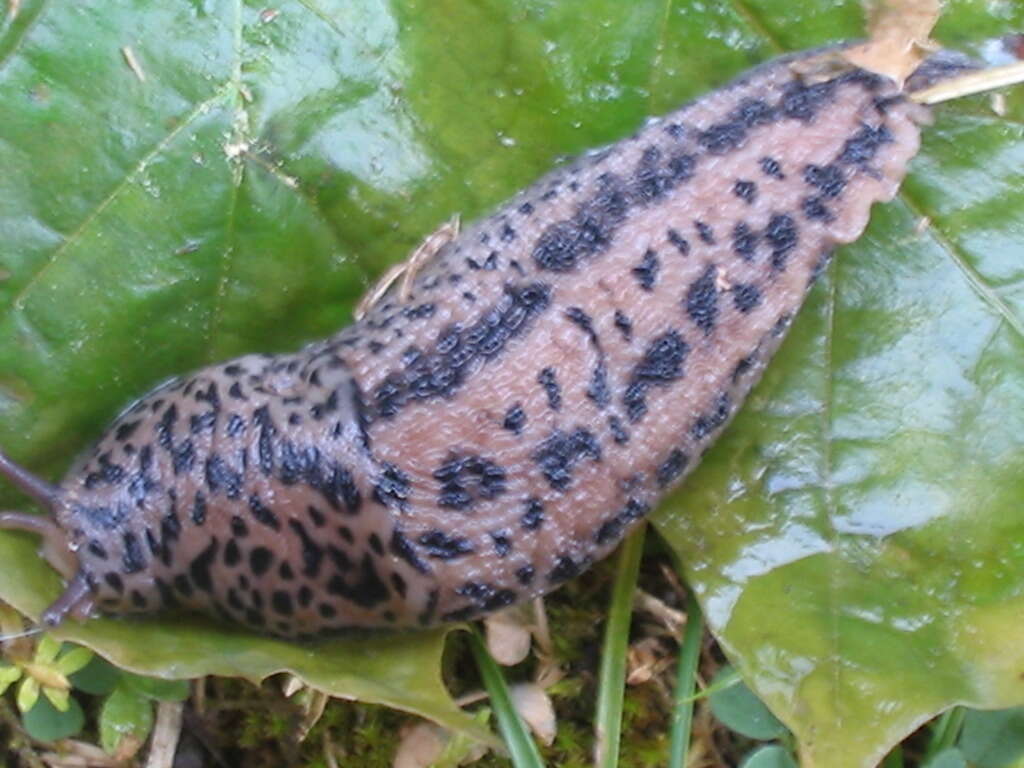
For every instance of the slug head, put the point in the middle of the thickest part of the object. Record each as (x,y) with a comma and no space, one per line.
(56,546)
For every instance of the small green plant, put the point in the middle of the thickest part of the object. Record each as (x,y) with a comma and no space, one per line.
(45,677)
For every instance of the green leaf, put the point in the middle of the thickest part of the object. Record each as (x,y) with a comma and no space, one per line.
(947,758)
(154,688)
(738,708)
(98,677)
(769,756)
(59,697)
(856,539)
(8,674)
(74,660)
(45,723)
(28,693)
(127,713)
(993,739)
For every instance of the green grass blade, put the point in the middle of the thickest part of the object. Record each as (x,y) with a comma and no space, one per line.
(608,723)
(521,746)
(686,682)
(945,731)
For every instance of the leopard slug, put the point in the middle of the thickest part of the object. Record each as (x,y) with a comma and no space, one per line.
(553,371)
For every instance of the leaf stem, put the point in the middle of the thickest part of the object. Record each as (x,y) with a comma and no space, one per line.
(686,683)
(611,690)
(945,731)
(521,746)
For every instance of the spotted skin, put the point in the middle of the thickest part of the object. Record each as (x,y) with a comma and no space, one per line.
(553,371)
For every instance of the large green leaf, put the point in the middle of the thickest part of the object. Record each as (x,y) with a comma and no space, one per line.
(855,537)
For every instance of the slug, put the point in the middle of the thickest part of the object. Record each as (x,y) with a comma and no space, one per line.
(550,374)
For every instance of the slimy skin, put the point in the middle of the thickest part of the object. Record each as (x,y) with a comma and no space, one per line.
(556,369)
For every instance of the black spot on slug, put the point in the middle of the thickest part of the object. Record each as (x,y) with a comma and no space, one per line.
(702,300)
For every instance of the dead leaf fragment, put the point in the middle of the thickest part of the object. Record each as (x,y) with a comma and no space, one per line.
(508,635)
(534,706)
(420,746)
(899,37)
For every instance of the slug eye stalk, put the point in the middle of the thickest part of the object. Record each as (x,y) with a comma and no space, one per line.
(75,600)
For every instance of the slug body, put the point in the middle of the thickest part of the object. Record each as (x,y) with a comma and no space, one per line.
(557,368)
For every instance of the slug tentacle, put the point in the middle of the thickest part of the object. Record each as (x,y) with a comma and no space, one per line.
(55,548)
(75,601)
(43,493)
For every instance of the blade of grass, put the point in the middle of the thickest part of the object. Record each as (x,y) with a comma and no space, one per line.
(521,746)
(611,690)
(686,682)
(945,731)
(726,681)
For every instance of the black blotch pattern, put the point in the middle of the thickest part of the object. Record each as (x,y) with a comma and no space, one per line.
(486,597)
(548,380)
(599,390)
(132,558)
(442,370)
(221,477)
(861,148)
(702,300)
(440,545)
(515,418)
(624,324)
(704,232)
(562,245)
(260,560)
(263,514)
(533,515)
(744,241)
(829,179)
(402,547)
(561,451)
(781,234)
(199,568)
(565,568)
(708,422)
(467,479)
(772,168)
(524,575)
(681,243)
(815,209)
(368,592)
(312,553)
(311,466)
(746,297)
(745,190)
(646,272)
(619,433)
(612,528)
(671,468)
(391,487)
(502,543)
(803,102)
(199,508)
(652,180)
(661,364)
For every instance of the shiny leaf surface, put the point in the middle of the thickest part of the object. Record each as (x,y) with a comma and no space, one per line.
(857,536)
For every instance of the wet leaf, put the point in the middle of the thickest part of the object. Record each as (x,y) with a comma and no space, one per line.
(770,756)
(739,709)
(856,538)
(126,720)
